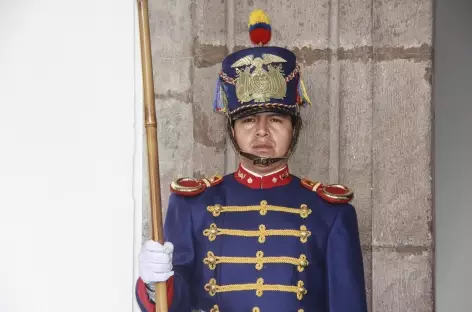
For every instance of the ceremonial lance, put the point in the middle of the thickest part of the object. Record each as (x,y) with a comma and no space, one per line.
(151,139)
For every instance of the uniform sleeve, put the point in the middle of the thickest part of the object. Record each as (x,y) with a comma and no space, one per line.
(146,304)
(178,229)
(345,270)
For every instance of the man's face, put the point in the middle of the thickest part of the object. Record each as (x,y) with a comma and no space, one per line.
(264,135)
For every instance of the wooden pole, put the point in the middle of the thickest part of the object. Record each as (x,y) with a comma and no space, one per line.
(151,136)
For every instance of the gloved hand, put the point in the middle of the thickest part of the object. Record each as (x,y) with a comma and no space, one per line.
(155,262)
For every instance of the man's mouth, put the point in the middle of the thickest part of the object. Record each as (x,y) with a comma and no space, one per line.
(262,147)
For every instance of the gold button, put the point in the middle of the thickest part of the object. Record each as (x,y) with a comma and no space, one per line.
(249,180)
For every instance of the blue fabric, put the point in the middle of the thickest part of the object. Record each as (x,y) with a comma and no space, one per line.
(260,25)
(334,278)
(138,298)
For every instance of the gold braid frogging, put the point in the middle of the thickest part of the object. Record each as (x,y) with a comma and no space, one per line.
(211,260)
(214,231)
(212,288)
(216,210)
(255,309)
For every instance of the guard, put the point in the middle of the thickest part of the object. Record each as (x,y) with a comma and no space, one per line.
(259,239)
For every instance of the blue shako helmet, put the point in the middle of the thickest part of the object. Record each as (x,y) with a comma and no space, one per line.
(260,79)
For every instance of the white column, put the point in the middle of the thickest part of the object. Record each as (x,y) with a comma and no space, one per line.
(67,97)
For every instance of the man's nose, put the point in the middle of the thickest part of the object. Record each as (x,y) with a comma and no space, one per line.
(262,127)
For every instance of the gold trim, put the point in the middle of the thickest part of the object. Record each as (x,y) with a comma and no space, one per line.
(316,186)
(212,288)
(256,309)
(267,105)
(241,175)
(232,81)
(207,182)
(347,195)
(212,261)
(303,211)
(214,231)
(187,189)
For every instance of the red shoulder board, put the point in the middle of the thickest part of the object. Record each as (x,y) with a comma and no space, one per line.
(193,187)
(333,193)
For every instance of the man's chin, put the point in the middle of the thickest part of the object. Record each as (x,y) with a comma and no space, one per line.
(263,153)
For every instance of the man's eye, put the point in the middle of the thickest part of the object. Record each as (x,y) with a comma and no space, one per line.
(276,120)
(247,120)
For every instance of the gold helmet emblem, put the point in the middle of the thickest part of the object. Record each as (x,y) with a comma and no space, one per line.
(259,85)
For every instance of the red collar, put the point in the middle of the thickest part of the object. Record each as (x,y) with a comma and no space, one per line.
(279,178)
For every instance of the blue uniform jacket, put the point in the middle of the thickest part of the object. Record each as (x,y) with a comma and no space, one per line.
(263,248)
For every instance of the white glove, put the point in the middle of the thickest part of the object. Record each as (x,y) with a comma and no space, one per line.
(155,262)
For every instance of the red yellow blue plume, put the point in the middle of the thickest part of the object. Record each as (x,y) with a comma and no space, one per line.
(302,96)
(220,102)
(260,31)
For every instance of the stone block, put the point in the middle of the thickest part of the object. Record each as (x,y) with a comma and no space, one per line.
(170,25)
(146,196)
(355,23)
(300,23)
(402,154)
(175,143)
(173,78)
(402,23)
(311,159)
(355,143)
(367,260)
(207,55)
(402,281)
(210,22)
(209,127)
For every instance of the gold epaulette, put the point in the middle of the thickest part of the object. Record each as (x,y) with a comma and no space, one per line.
(192,186)
(333,193)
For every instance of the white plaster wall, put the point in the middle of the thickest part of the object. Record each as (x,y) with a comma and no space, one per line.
(67,114)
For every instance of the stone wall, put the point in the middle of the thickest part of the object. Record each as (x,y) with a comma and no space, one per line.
(367,68)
